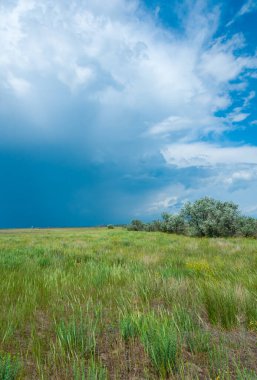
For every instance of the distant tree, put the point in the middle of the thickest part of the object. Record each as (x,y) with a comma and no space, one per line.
(247,226)
(110,227)
(174,224)
(204,217)
(154,226)
(209,217)
(136,225)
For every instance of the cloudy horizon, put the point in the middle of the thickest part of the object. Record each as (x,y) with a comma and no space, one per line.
(125,109)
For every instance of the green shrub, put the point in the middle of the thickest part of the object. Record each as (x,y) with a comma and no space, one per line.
(136,225)
(173,223)
(110,227)
(205,217)
(208,217)
(154,226)
(247,226)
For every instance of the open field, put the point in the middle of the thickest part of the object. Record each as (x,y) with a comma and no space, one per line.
(112,304)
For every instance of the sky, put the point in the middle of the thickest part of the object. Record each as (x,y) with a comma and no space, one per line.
(123,109)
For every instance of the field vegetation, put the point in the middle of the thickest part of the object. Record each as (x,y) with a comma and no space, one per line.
(205,217)
(109,303)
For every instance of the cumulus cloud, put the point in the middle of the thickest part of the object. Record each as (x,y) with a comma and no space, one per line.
(113,84)
(108,56)
(206,154)
(163,204)
(244,175)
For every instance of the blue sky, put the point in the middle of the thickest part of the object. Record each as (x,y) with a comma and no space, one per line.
(124,109)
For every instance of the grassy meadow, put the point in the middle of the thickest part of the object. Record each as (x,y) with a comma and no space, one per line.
(113,304)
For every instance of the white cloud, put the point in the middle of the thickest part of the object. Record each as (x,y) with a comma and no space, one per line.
(138,88)
(168,199)
(236,183)
(190,127)
(221,63)
(205,155)
(248,7)
(20,86)
(221,66)
(172,84)
(172,123)
(243,175)
(163,204)
(238,117)
(12,31)
(248,98)
(148,66)
(76,76)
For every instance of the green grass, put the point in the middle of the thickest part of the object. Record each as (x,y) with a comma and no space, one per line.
(9,367)
(221,304)
(160,339)
(129,326)
(91,371)
(111,304)
(76,337)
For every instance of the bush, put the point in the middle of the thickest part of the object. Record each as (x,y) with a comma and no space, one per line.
(205,217)
(247,226)
(173,223)
(208,217)
(154,226)
(136,225)
(110,227)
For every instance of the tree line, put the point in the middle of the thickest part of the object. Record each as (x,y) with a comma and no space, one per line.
(204,217)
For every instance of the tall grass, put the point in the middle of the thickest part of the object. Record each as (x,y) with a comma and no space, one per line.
(90,371)
(159,337)
(96,371)
(102,303)
(221,304)
(198,341)
(9,367)
(219,362)
(77,337)
(129,326)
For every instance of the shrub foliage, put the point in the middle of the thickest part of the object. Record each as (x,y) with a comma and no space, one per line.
(204,217)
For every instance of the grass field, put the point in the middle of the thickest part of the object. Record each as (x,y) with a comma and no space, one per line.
(112,304)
